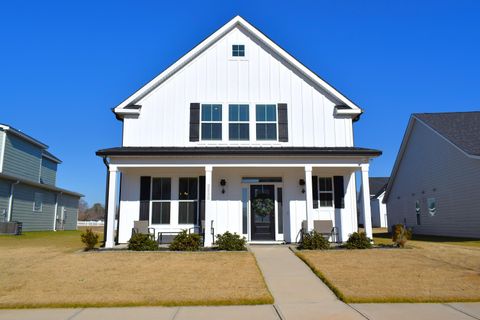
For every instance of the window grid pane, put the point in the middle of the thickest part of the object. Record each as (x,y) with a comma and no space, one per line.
(211,122)
(266,117)
(325,188)
(161,212)
(238,50)
(239,126)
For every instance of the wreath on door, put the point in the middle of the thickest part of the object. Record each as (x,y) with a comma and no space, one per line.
(263,206)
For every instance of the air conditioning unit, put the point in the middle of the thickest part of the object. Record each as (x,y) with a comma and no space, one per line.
(12,227)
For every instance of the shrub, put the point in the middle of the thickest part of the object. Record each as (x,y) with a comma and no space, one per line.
(231,242)
(358,240)
(401,235)
(90,239)
(142,242)
(186,242)
(314,241)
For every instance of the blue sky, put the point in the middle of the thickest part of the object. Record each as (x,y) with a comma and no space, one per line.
(63,65)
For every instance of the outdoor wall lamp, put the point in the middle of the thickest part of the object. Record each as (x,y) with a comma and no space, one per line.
(301,182)
(223,183)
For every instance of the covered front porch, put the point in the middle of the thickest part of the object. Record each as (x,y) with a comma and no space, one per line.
(265,199)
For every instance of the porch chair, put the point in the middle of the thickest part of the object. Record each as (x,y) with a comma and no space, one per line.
(143,228)
(324,227)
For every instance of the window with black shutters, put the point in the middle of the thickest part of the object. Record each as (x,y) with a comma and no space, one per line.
(238,122)
(325,191)
(266,118)
(211,122)
(161,199)
(188,200)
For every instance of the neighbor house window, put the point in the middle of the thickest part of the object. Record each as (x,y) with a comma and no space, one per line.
(211,122)
(161,198)
(266,117)
(38,202)
(188,200)
(325,191)
(238,50)
(238,127)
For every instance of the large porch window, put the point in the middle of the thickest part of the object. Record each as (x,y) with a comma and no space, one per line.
(188,201)
(161,198)
(325,190)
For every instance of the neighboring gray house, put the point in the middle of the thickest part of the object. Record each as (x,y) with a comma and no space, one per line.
(27,185)
(378,208)
(435,182)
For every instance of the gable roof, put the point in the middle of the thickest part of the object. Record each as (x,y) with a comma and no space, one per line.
(461,129)
(129,106)
(377,185)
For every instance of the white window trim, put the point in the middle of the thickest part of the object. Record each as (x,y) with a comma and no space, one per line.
(247,122)
(266,122)
(212,122)
(159,201)
(325,192)
(35,200)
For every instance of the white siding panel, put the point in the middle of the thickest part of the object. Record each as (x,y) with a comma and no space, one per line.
(216,77)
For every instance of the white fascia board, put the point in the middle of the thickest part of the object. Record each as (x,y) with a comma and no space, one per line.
(215,37)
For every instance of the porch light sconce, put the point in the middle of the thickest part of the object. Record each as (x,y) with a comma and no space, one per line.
(301,182)
(223,183)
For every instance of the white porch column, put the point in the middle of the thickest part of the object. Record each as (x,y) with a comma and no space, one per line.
(367,215)
(208,206)
(112,203)
(309,196)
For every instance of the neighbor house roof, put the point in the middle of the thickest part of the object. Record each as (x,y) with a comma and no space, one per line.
(40,185)
(130,106)
(248,151)
(377,185)
(461,129)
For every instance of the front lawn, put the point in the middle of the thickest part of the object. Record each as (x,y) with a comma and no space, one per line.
(428,273)
(46,269)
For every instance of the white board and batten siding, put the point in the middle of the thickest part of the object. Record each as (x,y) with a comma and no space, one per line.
(432,167)
(216,77)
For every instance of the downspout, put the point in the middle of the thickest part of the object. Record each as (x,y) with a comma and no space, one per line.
(107,165)
(10,200)
(58,195)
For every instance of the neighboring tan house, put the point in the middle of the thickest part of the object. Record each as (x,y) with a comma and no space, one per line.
(28,193)
(379,209)
(237,136)
(435,182)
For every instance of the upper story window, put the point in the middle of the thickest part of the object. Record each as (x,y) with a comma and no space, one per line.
(238,50)
(325,190)
(266,117)
(211,122)
(238,117)
(38,202)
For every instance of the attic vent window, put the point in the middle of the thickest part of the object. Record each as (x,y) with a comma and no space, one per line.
(238,50)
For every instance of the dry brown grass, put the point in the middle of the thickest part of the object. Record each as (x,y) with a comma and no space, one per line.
(427,273)
(47,269)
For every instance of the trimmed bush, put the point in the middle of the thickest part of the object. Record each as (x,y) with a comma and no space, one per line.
(401,235)
(358,240)
(314,241)
(142,242)
(90,239)
(231,242)
(186,242)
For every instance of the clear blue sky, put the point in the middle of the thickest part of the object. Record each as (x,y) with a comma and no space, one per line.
(63,65)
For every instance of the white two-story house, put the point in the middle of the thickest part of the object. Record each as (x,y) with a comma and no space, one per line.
(238,136)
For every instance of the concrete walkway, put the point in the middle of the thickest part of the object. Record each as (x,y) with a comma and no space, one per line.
(298,293)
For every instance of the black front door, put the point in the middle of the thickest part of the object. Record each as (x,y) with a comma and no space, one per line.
(262,199)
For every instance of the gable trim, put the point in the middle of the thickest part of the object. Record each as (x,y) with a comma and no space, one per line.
(123,108)
(403,146)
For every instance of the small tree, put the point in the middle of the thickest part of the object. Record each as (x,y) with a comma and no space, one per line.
(90,239)
(401,235)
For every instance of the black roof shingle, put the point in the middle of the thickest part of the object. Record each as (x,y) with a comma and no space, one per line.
(377,185)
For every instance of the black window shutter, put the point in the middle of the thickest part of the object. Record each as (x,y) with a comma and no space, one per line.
(282,122)
(315,191)
(194,121)
(145,198)
(339,192)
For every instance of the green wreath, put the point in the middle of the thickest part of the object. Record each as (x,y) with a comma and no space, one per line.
(263,206)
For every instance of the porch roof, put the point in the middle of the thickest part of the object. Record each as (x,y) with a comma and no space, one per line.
(241,151)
